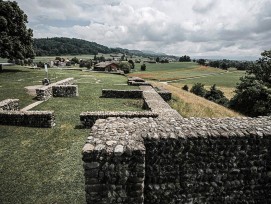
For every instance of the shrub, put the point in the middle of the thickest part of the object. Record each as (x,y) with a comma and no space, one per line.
(216,96)
(198,89)
(143,67)
(125,67)
(185,87)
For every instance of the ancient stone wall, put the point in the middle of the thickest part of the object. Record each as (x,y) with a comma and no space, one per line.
(44,119)
(88,118)
(110,93)
(65,91)
(178,160)
(45,92)
(9,104)
(166,95)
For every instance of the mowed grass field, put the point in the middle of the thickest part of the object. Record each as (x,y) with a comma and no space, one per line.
(43,165)
(174,76)
(174,71)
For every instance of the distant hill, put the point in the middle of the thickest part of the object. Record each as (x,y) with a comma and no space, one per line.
(67,46)
(71,46)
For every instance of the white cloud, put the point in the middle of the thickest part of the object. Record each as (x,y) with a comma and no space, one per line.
(194,27)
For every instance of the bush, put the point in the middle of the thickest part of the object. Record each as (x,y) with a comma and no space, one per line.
(198,89)
(216,96)
(125,67)
(185,87)
(143,67)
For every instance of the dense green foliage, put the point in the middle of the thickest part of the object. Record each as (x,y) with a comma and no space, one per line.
(125,67)
(15,38)
(198,89)
(225,64)
(143,67)
(213,94)
(216,96)
(253,94)
(67,46)
(184,59)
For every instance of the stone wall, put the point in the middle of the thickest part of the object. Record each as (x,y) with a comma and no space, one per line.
(166,95)
(44,119)
(109,93)
(45,92)
(9,104)
(88,118)
(170,159)
(65,91)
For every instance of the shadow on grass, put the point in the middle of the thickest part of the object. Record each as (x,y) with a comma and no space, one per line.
(12,70)
(79,127)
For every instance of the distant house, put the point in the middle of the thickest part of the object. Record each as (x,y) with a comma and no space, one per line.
(106,66)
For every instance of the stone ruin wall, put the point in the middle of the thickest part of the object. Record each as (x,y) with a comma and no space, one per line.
(9,105)
(46,92)
(43,119)
(11,115)
(65,91)
(170,159)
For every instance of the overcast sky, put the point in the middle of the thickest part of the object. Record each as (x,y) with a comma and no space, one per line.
(222,28)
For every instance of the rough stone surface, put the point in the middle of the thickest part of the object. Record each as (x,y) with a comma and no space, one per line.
(45,92)
(43,119)
(109,93)
(9,104)
(88,118)
(65,91)
(171,159)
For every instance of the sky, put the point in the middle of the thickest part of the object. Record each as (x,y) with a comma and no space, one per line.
(232,29)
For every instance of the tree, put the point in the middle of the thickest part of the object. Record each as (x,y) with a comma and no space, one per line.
(15,39)
(132,64)
(198,89)
(157,59)
(185,58)
(253,94)
(125,67)
(143,67)
(216,96)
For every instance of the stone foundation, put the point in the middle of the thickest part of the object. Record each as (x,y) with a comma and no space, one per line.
(9,105)
(65,91)
(89,118)
(44,119)
(109,93)
(170,159)
(46,92)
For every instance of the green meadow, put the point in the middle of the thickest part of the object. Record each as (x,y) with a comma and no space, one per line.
(43,165)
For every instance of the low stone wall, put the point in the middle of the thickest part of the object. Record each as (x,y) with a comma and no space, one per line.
(9,104)
(166,95)
(89,118)
(65,91)
(179,160)
(45,92)
(170,159)
(109,93)
(44,119)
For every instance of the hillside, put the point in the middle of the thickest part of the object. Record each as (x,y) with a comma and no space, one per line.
(67,46)
(71,46)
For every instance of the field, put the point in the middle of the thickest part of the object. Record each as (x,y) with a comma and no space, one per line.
(40,165)
(180,73)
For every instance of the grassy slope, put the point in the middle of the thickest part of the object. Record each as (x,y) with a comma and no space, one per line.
(190,105)
(44,165)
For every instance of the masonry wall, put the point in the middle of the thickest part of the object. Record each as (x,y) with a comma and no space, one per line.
(45,92)
(44,119)
(9,104)
(65,91)
(89,118)
(208,170)
(109,93)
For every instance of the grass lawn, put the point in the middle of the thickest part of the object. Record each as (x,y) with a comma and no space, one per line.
(173,71)
(40,165)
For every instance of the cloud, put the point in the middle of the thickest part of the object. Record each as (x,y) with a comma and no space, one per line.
(193,27)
